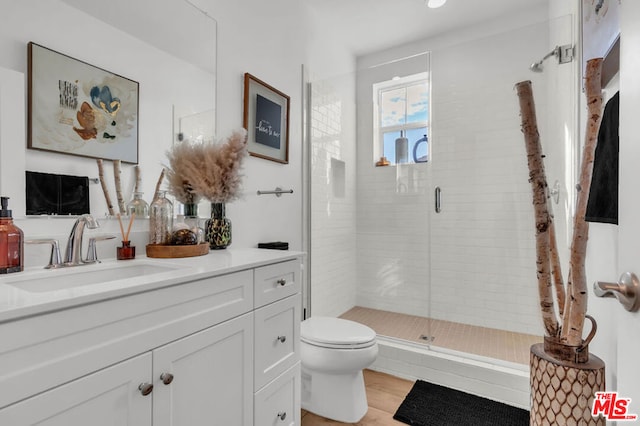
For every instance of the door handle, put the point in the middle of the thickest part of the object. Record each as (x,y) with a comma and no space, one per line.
(626,290)
(438,199)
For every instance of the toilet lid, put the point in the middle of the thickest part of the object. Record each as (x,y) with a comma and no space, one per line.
(336,333)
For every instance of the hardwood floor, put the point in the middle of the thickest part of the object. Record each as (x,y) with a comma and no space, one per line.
(385,393)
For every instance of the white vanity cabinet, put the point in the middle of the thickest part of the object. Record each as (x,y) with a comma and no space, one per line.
(201,350)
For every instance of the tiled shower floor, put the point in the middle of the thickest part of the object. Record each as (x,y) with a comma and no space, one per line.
(488,342)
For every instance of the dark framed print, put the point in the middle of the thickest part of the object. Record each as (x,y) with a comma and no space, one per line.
(79,109)
(266,118)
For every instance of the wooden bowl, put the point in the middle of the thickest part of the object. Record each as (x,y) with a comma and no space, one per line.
(166,251)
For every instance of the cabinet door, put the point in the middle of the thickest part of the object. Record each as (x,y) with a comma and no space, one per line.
(278,403)
(211,379)
(105,398)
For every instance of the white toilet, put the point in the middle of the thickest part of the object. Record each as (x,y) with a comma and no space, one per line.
(334,352)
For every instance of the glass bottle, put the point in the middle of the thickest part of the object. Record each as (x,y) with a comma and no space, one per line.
(11,242)
(138,206)
(193,221)
(160,219)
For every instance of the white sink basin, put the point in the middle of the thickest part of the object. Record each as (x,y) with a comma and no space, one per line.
(79,276)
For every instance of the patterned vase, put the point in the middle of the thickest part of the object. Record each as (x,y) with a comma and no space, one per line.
(562,392)
(218,228)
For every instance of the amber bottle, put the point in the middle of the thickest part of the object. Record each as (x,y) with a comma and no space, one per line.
(11,241)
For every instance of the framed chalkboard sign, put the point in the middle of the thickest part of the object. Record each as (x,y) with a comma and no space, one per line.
(266,118)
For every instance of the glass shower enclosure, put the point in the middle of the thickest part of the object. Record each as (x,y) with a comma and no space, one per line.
(421,223)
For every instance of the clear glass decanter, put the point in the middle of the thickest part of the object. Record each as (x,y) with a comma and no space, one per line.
(138,206)
(160,219)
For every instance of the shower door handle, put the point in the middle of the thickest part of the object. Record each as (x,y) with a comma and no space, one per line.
(438,203)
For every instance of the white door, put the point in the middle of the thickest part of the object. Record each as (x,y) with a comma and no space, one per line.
(628,324)
(105,398)
(211,379)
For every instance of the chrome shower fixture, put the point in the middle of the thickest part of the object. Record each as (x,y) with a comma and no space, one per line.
(564,54)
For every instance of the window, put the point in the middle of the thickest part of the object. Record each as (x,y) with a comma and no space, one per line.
(403,112)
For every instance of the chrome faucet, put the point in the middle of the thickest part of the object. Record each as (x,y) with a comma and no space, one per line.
(73,253)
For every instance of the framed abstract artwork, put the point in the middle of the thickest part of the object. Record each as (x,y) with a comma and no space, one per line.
(266,118)
(80,109)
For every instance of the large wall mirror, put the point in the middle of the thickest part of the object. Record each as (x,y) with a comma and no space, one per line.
(169,50)
(182,28)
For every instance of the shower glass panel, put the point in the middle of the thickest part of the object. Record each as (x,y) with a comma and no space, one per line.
(483,273)
(448,120)
(370,223)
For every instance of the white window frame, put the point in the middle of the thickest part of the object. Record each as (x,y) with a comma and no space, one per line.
(379,131)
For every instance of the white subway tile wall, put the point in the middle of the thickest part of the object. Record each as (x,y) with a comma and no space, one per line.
(333,203)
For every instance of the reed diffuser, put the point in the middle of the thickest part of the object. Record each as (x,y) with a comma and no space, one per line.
(127,251)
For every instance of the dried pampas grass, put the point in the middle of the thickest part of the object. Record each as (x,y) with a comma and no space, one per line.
(185,163)
(207,170)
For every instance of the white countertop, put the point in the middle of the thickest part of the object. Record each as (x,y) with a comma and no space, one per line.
(17,302)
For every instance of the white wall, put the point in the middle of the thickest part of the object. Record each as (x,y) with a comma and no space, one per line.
(266,40)
(162,87)
(159,74)
(270,40)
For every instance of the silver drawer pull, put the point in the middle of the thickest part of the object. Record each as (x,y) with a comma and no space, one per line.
(281,281)
(282,339)
(145,388)
(166,378)
(282,415)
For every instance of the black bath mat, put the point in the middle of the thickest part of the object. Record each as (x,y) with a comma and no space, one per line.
(433,405)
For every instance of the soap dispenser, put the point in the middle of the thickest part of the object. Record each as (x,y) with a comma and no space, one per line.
(11,241)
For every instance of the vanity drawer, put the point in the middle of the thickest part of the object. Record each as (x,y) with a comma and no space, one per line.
(277,339)
(277,281)
(278,403)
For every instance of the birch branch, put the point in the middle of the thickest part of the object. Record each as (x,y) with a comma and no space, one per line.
(538,182)
(556,268)
(116,174)
(138,174)
(158,184)
(105,190)
(577,284)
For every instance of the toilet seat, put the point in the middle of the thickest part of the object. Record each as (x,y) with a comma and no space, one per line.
(336,333)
